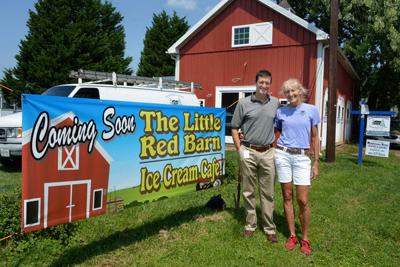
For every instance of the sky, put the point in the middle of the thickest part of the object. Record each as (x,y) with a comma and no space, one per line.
(137,15)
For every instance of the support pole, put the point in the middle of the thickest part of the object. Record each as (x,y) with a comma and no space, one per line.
(333,41)
(361,140)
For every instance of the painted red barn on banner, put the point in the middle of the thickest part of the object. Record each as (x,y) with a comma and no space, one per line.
(66,185)
(224,50)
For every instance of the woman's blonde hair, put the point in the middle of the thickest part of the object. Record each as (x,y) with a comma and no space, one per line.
(294,83)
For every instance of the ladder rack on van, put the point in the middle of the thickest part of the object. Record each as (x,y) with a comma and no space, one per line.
(159,82)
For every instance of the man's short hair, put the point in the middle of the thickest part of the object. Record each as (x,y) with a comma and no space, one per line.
(263,73)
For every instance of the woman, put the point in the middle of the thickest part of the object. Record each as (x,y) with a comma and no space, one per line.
(296,122)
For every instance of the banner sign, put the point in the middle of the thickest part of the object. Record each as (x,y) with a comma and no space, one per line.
(378,125)
(377,148)
(80,155)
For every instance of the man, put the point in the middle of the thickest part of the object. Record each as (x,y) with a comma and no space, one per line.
(254,115)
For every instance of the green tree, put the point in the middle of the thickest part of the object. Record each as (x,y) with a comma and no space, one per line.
(369,34)
(164,31)
(65,35)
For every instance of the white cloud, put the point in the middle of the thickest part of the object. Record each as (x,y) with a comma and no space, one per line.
(186,4)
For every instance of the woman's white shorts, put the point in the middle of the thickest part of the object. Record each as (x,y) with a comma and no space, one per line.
(293,167)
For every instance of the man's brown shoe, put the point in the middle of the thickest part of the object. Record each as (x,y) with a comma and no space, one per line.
(272,238)
(248,233)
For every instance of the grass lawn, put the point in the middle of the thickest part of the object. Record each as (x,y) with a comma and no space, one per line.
(355,222)
(9,177)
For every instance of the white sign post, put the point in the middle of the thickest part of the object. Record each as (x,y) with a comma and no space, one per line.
(377,148)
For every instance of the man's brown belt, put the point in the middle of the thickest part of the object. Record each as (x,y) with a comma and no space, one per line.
(257,147)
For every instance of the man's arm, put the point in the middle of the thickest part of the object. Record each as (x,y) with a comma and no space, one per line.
(235,137)
(315,140)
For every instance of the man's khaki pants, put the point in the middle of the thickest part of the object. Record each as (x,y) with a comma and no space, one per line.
(258,167)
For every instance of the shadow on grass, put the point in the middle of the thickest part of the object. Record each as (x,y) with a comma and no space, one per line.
(279,220)
(128,236)
(369,163)
(10,165)
(366,161)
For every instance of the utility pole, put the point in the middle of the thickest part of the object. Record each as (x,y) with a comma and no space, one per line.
(332,84)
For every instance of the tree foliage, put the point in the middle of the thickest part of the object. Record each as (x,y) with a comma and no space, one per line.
(369,34)
(65,35)
(164,31)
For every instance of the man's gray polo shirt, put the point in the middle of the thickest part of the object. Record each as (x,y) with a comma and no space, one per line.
(256,119)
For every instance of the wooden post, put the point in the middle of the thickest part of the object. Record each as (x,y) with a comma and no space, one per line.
(333,41)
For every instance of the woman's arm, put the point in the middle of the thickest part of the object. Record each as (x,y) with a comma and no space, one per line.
(315,142)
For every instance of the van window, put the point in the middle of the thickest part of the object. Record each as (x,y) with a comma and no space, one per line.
(92,93)
(63,90)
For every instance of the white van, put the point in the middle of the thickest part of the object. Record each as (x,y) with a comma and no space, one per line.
(146,90)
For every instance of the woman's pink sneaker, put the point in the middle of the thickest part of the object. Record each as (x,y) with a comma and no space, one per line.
(305,247)
(291,242)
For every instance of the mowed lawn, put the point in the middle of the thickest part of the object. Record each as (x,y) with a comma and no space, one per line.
(355,222)
(10,176)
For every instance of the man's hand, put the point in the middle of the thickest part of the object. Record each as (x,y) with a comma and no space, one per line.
(241,135)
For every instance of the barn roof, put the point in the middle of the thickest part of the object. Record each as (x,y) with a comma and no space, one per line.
(174,49)
(26,135)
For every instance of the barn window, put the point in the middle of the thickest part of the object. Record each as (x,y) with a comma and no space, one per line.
(68,158)
(32,212)
(241,36)
(97,199)
(252,34)
(342,118)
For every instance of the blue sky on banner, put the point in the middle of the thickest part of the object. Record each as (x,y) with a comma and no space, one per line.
(137,16)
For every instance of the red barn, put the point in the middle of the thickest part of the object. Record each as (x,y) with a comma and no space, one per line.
(67,184)
(225,49)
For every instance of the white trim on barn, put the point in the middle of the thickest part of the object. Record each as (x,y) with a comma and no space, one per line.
(174,49)
(231,89)
(72,157)
(177,66)
(258,34)
(101,201)
(25,211)
(319,83)
(324,121)
(240,90)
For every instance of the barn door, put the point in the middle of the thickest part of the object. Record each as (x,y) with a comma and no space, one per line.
(339,120)
(65,202)
(227,97)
